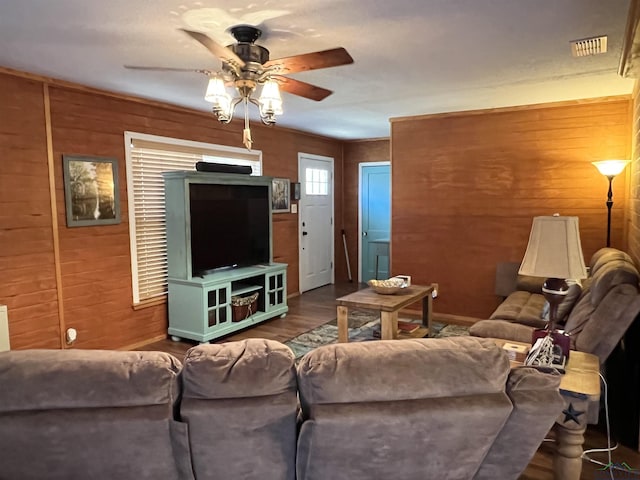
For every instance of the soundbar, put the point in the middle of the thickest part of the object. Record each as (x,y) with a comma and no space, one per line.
(223,168)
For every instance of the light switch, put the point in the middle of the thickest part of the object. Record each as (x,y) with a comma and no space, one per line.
(294,208)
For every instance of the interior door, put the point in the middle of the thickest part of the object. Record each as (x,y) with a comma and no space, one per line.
(375,220)
(315,221)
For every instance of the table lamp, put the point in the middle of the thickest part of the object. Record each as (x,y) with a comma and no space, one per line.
(555,253)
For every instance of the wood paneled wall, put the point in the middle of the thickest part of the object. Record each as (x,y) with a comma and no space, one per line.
(28,280)
(466,186)
(94,262)
(356,153)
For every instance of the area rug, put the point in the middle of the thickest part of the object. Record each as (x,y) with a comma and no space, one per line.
(364,325)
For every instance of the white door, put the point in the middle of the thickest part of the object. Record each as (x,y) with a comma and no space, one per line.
(315,221)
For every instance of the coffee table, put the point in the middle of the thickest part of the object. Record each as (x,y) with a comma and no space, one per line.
(580,387)
(387,305)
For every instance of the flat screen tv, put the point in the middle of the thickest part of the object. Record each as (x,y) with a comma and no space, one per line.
(230,226)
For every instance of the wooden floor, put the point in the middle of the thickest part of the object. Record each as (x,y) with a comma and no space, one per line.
(318,306)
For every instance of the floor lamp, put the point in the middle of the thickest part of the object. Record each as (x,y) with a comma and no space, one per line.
(554,252)
(610,168)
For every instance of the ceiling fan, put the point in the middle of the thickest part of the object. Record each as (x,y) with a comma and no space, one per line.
(246,65)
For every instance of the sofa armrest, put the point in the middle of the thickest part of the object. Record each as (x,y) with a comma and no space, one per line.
(537,403)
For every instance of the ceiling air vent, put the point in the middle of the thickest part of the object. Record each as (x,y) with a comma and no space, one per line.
(589,46)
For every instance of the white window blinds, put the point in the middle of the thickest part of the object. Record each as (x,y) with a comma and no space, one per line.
(147,156)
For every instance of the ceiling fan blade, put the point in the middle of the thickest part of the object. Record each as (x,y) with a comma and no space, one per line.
(220,51)
(311,61)
(169,69)
(302,89)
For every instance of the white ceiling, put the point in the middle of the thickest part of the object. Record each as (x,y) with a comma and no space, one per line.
(412,57)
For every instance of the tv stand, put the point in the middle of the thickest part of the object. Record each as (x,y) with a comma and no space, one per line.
(200,306)
(200,309)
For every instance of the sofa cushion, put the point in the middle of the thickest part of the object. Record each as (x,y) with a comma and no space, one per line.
(606,255)
(371,410)
(607,321)
(75,414)
(249,368)
(606,305)
(599,286)
(434,438)
(429,368)
(521,307)
(502,329)
(239,401)
(55,379)
(615,272)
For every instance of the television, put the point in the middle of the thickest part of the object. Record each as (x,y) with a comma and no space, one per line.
(230,226)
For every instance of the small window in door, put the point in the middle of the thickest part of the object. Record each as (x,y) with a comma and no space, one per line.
(316,181)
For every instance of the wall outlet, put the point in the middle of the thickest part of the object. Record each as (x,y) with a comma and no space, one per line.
(71,336)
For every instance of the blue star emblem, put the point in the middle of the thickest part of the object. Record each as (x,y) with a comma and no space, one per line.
(572,414)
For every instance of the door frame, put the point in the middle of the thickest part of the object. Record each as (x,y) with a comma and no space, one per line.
(330,160)
(360,166)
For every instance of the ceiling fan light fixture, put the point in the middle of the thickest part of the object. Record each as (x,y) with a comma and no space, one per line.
(217,94)
(270,102)
(246,65)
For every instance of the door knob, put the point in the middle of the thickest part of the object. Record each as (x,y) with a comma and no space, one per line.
(304,233)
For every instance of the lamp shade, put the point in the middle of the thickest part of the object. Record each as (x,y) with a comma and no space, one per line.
(554,249)
(611,168)
(217,94)
(270,100)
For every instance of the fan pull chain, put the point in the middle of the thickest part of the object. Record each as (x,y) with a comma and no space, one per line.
(246,133)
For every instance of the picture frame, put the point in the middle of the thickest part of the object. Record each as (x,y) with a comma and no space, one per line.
(90,190)
(280,197)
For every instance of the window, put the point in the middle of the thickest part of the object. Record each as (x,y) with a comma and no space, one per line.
(316,181)
(147,156)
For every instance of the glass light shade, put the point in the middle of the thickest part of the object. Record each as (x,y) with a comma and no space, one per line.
(217,94)
(611,168)
(270,100)
(554,249)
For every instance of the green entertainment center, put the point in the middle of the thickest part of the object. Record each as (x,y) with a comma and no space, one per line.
(219,250)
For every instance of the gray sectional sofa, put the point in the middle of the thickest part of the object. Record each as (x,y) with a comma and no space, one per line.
(595,315)
(405,409)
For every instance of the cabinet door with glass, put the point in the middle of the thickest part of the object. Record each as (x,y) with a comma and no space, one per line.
(217,306)
(276,289)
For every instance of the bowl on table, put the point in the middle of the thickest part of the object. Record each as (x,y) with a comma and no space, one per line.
(387,287)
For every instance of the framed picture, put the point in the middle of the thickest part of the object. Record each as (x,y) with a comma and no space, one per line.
(280,195)
(90,190)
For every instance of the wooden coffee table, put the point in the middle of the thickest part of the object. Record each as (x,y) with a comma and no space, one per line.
(387,305)
(580,386)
